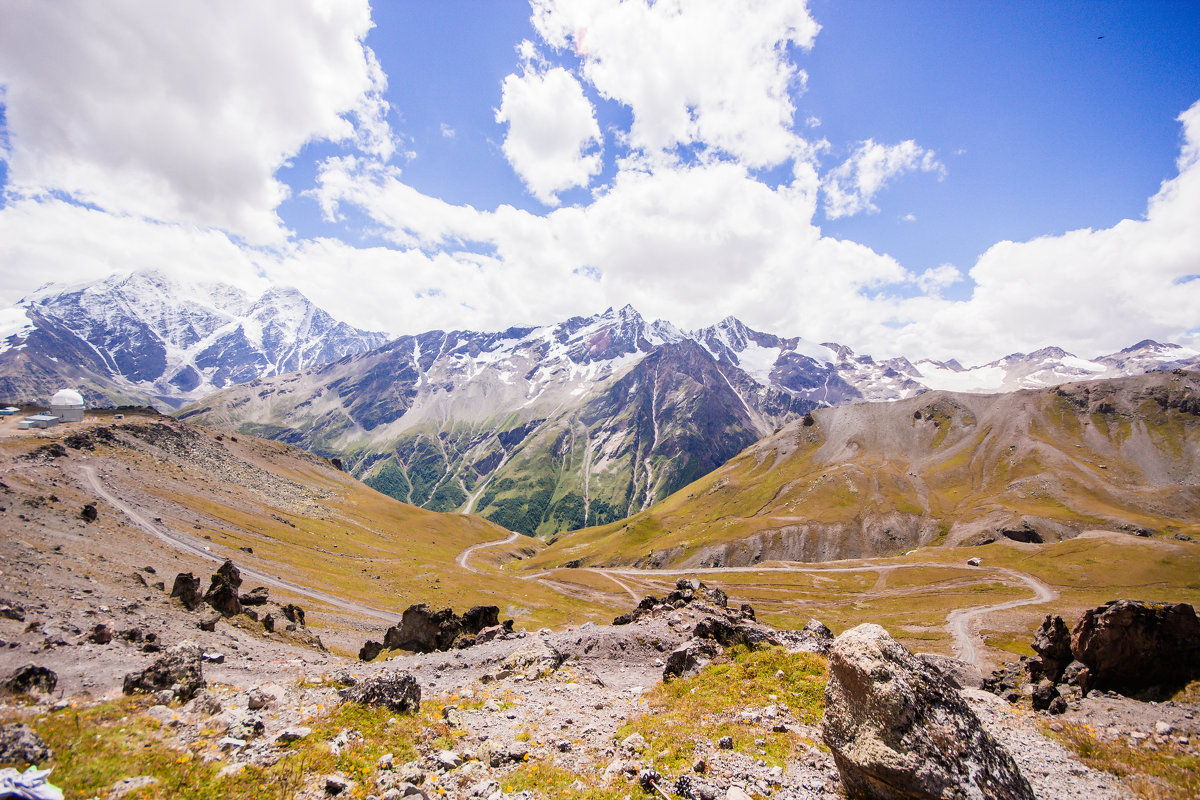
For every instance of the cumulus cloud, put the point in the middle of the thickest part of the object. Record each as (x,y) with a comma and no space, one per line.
(184,110)
(553,137)
(1089,291)
(708,73)
(851,187)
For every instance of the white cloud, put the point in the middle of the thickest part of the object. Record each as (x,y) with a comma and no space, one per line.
(851,187)
(1089,291)
(553,137)
(447,131)
(184,110)
(934,279)
(694,72)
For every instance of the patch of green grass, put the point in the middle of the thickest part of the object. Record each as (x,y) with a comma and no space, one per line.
(701,708)
(1164,774)
(97,746)
(545,780)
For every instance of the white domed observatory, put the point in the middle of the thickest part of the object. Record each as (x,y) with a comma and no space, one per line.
(67,405)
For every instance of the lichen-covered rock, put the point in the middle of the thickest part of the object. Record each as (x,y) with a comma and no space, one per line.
(258,596)
(899,731)
(29,678)
(397,690)
(1131,646)
(960,674)
(535,659)
(20,744)
(180,670)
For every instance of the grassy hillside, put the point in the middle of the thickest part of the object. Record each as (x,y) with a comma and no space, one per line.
(270,507)
(938,469)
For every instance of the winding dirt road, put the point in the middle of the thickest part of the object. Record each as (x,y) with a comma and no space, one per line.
(463,559)
(967,643)
(958,622)
(189,545)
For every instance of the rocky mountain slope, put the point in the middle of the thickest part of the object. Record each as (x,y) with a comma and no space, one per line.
(550,428)
(941,468)
(146,338)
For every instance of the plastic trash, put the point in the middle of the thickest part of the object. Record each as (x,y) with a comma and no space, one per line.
(28,785)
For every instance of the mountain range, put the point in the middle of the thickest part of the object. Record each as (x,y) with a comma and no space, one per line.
(541,429)
(147,339)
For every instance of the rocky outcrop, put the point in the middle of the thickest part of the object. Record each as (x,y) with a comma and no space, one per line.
(396,690)
(30,678)
(423,630)
(187,589)
(685,661)
(1130,646)
(898,730)
(1053,644)
(222,592)
(960,674)
(179,670)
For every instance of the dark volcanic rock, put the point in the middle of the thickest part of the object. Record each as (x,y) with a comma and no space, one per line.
(293,613)
(19,744)
(222,592)
(370,650)
(480,617)
(899,730)
(423,630)
(28,678)
(179,669)
(730,634)
(1053,644)
(89,513)
(1131,646)
(255,597)
(186,588)
(397,690)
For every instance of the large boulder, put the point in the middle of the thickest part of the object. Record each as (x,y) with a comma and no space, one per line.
(1053,643)
(423,630)
(30,678)
(187,589)
(1130,646)
(222,592)
(20,744)
(898,730)
(180,669)
(730,634)
(397,690)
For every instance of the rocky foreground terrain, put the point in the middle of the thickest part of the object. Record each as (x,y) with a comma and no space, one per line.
(577,712)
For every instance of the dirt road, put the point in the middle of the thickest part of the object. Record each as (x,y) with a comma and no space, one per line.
(191,546)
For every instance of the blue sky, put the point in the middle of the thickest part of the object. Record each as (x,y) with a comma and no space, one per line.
(928,179)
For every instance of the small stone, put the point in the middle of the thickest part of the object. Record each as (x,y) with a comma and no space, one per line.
(293,734)
(1163,729)
(127,785)
(231,743)
(336,785)
(448,760)
(387,761)
(214,658)
(259,699)
(725,743)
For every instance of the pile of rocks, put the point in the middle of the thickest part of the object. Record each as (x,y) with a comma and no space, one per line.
(1131,647)
(226,600)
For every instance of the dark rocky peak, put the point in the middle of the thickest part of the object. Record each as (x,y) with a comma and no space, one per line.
(1048,354)
(610,335)
(1150,344)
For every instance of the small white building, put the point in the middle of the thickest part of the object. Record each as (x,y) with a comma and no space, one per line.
(67,405)
(38,421)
